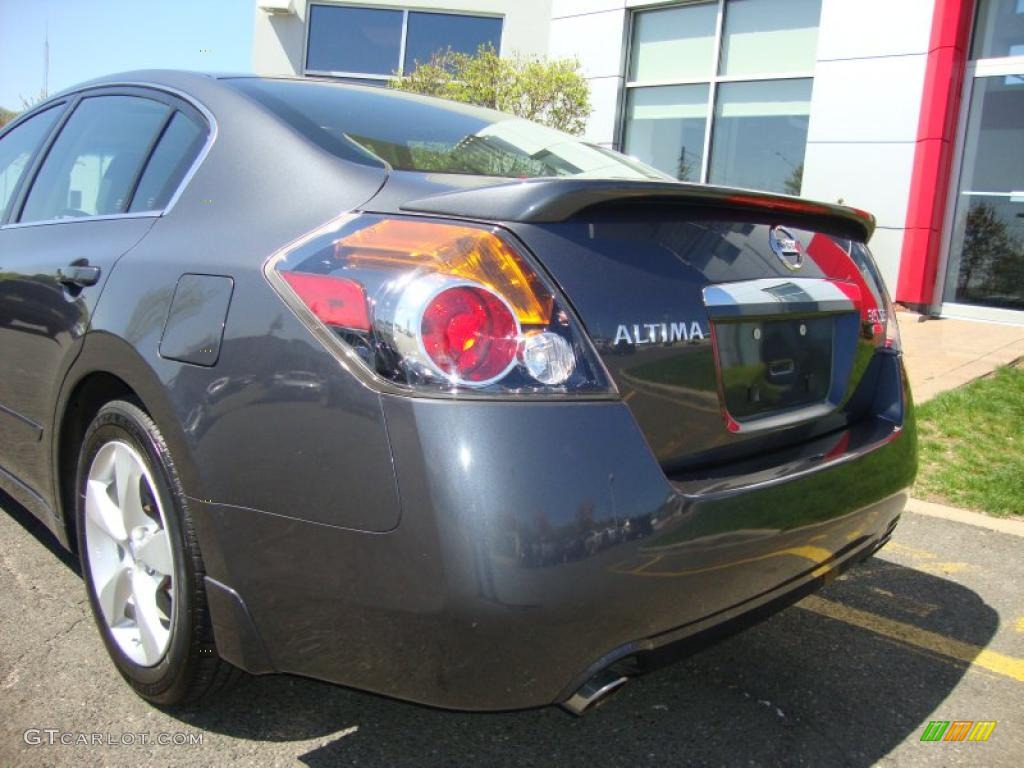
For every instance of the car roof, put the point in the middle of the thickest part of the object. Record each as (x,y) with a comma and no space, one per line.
(208,87)
(182,79)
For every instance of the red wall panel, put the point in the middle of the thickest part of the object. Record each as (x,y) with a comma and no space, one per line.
(933,156)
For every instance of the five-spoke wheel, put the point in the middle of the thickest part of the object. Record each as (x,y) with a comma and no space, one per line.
(141,561)
(129,553)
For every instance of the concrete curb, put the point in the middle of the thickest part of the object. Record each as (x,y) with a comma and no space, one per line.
(931,509)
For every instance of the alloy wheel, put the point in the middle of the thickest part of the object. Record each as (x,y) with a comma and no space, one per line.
(129,553)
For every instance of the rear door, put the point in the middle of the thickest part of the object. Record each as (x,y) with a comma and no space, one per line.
(92,194)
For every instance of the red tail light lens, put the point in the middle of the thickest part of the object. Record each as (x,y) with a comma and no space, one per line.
(892,328)
(851,266)
(470,333)
(438,306)
(335,301)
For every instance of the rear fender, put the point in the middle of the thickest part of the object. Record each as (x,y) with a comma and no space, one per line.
(109,354)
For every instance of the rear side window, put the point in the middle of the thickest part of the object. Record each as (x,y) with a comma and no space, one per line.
(168,164)
(16,150)
(92,166)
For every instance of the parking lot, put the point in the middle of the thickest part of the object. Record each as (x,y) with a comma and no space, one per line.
(932,628)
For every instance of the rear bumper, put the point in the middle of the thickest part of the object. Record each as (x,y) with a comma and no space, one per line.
(539,543)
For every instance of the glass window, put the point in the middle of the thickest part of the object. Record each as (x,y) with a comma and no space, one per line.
(1000,29)
(414,133)
(665,128)
(742,55)
(767,36)
(986,263)
(674,43)
(92,166)
(363,40)
(168,164)
(760,134)
(16,150)
(431,33)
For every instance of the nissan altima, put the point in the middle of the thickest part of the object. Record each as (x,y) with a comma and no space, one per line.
(424,399)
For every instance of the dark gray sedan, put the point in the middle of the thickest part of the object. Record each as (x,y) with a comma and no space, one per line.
(425,399)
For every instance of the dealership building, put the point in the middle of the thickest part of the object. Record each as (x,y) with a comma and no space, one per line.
(910,109)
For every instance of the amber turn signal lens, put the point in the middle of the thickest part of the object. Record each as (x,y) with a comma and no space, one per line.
(469,253)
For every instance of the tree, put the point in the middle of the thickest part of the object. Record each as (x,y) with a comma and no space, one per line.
(7,115)
(552,93)
(795,182)
(992,259)
(27,102)
(687,169)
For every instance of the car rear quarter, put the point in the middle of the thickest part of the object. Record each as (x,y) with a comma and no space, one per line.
(736,427)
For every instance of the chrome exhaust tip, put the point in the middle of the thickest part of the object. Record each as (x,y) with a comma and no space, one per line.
(594,692)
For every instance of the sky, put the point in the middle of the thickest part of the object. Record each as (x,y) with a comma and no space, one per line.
(90,38)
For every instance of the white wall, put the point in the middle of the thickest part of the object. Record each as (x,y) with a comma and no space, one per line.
(278,41)
(594,31)
(868,85)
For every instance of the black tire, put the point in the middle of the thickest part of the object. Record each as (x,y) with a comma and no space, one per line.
(191,671)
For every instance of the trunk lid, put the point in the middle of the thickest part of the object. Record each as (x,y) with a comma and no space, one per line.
(732,322)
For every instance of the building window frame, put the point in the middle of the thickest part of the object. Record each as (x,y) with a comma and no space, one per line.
(400,69)
(975,69)
(713,81)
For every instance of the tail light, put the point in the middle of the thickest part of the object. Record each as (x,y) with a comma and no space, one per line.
(891,333)
(879,313)
(884,327)
(437,307)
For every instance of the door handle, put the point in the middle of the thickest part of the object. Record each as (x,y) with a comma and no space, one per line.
(78,276)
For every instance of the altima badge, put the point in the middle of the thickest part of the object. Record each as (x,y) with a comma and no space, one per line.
(787,247)
(664,333)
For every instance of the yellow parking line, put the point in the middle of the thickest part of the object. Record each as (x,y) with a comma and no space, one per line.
(627,568)
(1019,625)
(930,562)
(649,563)
(974,655)
(947,569)
(817,555)
(919,554)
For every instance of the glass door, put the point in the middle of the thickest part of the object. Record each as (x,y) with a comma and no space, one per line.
(985,268)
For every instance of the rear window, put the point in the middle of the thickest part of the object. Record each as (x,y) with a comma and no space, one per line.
(416,133)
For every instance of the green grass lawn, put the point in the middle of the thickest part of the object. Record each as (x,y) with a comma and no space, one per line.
(972,445)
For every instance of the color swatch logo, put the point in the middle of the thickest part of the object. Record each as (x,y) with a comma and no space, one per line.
(958,730)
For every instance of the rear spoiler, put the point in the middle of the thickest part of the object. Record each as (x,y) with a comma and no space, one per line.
(557,199)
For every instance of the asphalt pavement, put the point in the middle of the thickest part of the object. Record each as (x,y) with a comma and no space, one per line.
(931,628)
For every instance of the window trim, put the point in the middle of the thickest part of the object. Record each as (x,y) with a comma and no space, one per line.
(306,70)
(712,81)
(174,98)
